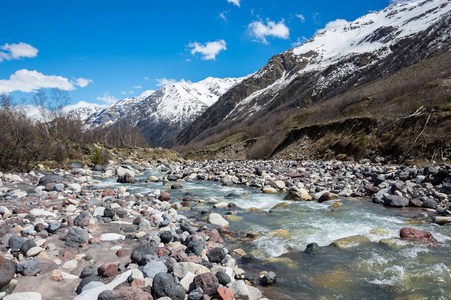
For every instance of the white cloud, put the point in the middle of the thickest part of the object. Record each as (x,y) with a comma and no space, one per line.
(123,92)
(299,42)
(147,93)
(223,15)
(31,81)
(16,51)
(301,17)
(333,25)
(209,50)
(107,98)
(236,2)
(137,87)
(398,1)
(164,81)
(82,82)
(260,31)
(146,78)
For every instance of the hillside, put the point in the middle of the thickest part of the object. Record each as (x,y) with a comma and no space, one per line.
(331,64)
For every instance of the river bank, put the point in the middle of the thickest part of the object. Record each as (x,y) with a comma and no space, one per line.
(184,230)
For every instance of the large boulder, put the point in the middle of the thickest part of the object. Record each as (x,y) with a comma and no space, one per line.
(416,235)
(396,201)
(217,219)
(122,170)
(7,271)
(51,179)
(126,178)
(207,282)
(140,252)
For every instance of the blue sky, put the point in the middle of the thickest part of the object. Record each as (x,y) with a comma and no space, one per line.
(105,50)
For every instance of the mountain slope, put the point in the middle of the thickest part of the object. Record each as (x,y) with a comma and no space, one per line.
(332,62)
(161,115)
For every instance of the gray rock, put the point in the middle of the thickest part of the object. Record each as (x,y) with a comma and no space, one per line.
(16,242)
(152,268)
(24,296)
(51,179)
(269,278)
(164,285)
(196,294)
(30,268)
(223,278)
(76,236)
(216,255)
(91,285)
(430,203)
(85,281)
(139,252)
(312,248)
(54,226)
(166,237)
(396,201)
(75,165)
(88,271)
(27,245)
(195,247)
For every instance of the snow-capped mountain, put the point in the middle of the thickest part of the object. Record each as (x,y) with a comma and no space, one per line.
(83,110)
(169,109)
(342,56)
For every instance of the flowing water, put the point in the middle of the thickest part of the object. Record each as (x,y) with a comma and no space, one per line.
(377,267)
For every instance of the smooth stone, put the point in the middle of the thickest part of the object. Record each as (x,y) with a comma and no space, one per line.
(217,219)
(70,264)
(94,292)
(108,237)
(24,296)
(42,212)
(34,251)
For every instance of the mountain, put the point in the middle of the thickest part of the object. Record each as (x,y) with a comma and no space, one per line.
(83,110)
(162,114)
(345,56)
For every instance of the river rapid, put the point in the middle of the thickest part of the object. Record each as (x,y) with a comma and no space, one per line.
(375,265)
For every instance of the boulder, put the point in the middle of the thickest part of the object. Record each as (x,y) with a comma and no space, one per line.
(50,179)
(7,271)
(269,278)
(124,169)
(76,236)
(207,282)
(125,293)
(164,285)
(396,201)
(217,219)
(152,268)
(297,194)
(127,178)
(416,235)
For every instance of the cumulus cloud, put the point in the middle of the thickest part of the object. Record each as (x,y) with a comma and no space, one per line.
(164,81)
(16,51)
(107,98)
(30,81)
(236,2)
(300,17)
(333,25)
(137,87)
(82,82)
(147,93)
(208,50)
(260,31)
(223,15)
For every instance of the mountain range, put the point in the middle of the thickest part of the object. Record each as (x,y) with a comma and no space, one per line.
(346,56)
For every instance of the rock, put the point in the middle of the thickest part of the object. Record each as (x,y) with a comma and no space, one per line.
(166,237)
(416,235)
(396,201)
(30,268)
(56,275)
(349,242)
(34,251)
(82,220)
(109,269)
(180,269)
(196,294)
(269,278)
(195,247)
(70,264)
(109,237)
(164,286)
(269,190)
(126,293)
(312,248)
(153,179)
(441,220)
(430,203)
(281,205)
(164,196)
(239,290)
(297,194)
(24,296)
(85,281)
(124,169)
(207,282)
(327,196)
(187,281)
(94,292)
(223,293)
(42,212)
(54,226)
(217,219)
(139,253)
(216,255)
(16,242)
(7,271)
(109,213)
(92,285)
(88,271)
(221,205)
(223,278)
(76,236)
(75,165)
(127,178)
(51,179)
(152,268)
(27,245)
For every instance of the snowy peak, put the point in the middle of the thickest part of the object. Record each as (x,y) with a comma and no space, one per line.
(371,33)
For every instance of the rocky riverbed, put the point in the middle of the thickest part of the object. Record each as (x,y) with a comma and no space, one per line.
(64,237)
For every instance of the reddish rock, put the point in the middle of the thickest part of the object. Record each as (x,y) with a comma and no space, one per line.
(128,293)
(207,282)
(416,235)
(176,186)
(179,255)
(67,254)
(164,196)
(48,266)
(372,189)
(57,275)
(109,269)
(163,252)
(415,202)
(108,193)
(94,240)
(40,227)
(7,271)
(213,235)
(138,283)
(223,293)
(324,197)
(193,258)
(123,252)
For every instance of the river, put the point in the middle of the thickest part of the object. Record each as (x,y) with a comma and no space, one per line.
(376,265)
